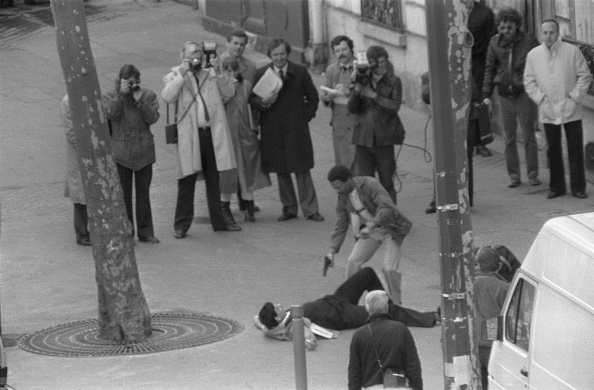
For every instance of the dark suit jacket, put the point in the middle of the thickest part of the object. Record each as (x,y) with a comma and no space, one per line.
(285,140)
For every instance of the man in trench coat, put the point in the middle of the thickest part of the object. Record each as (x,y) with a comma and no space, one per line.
(285,140)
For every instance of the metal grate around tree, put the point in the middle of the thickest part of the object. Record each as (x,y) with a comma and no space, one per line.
(170,331)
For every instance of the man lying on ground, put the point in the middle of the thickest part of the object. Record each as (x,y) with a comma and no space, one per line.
(340,310)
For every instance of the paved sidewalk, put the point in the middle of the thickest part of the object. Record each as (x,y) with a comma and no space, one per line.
(46,279)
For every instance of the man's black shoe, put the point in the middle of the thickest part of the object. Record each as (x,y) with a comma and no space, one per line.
(554,194)
(580,195)
(328,262)
(84,241)
(431,209)
(286,216)
(152,240)
(229,228)
(316,217)
(179,234)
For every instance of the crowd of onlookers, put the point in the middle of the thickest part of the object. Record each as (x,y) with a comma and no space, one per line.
(237,124)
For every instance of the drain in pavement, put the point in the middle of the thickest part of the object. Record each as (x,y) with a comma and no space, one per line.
(171,331)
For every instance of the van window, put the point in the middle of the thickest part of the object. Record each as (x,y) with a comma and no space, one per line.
(519,315)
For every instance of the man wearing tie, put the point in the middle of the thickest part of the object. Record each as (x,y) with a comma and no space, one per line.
(285,140)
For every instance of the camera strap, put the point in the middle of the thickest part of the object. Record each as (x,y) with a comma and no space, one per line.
(206,116)
(375,349)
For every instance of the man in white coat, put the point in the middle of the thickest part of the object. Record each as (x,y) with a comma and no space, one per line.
(204,142)
(557,78)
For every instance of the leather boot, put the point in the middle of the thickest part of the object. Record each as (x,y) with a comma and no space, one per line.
(249,211)
(227,215)
(394,282)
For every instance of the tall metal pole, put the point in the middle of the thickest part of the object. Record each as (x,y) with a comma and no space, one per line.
(449,46)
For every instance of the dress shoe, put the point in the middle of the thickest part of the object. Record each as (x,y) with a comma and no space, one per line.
(84,241)
(285,216)
(580,195)
(152,240)
(554,194)
(431,209)
(229,228)
(179,234)
(534,181)
(514,182)
(483,151)
(249,211)
(316,217)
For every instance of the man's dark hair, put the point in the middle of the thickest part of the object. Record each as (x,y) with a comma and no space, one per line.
(128,71)
(551,21)
(339,172)
(276,42)
(336,41)
(238,34)
(508,14)
(375,52)
(267,316)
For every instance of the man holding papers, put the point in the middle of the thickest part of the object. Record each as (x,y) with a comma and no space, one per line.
(335,95)
(287,100)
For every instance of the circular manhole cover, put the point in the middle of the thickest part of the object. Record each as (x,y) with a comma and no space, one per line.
(173,330)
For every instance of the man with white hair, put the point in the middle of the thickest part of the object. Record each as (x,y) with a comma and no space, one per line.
(382,344)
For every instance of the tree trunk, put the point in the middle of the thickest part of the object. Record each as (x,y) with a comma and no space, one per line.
(449,68)
(124,315)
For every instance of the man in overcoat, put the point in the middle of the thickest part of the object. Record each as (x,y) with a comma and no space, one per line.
(204,143)
(284,124)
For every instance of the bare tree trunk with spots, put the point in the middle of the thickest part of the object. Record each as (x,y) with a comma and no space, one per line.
(449,46)
(124,315)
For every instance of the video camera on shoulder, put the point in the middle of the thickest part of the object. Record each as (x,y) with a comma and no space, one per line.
(362,69)
(209,48)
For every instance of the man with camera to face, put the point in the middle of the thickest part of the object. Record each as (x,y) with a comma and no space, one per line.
(131,110)
(202,123)
(375,100)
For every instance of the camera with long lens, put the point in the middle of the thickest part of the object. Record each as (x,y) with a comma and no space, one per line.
(209,48)
(362,69)
(134,86)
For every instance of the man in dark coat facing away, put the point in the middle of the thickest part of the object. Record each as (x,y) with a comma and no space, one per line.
(285,140)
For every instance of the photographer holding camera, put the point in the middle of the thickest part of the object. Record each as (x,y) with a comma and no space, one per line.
(201,123)
(131,110)
(375,99)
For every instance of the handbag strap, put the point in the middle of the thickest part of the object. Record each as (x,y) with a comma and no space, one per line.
(379,362)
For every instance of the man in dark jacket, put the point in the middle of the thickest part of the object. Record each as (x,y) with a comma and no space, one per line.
(506,60)
(376,100)
(285,140)
(382,340)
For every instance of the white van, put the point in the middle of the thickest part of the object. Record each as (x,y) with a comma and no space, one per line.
(545,335)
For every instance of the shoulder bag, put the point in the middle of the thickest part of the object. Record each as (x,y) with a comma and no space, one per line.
(392,379)
(171,136)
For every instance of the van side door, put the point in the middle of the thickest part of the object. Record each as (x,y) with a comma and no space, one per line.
(509,365)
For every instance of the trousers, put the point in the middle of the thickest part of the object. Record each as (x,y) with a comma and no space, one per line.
(141,180)
(575,152)
(81,221)
(308,199)
(523,110)
(186,186)
(380,158)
